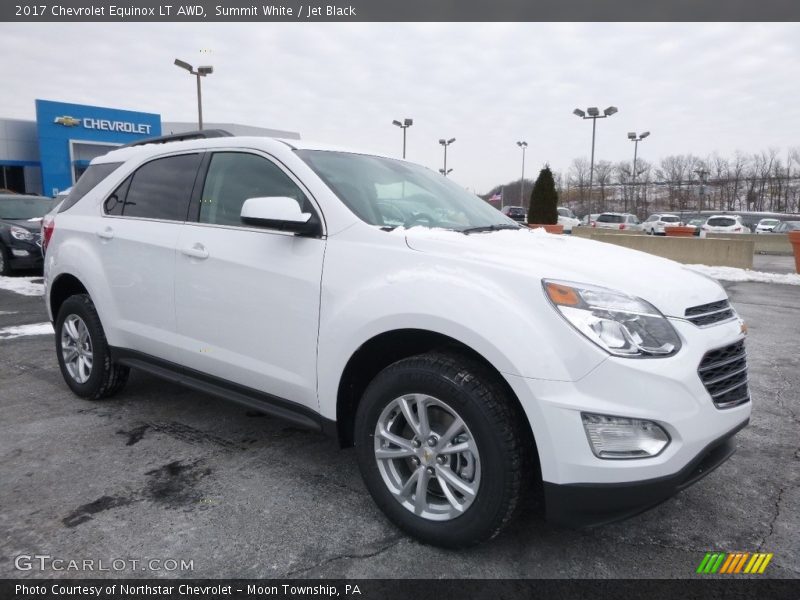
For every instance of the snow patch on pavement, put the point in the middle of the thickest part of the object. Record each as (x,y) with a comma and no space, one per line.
(26,286)
(16,331)
(734,274)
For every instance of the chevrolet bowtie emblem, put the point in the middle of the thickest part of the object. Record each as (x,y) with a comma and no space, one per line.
(67,121)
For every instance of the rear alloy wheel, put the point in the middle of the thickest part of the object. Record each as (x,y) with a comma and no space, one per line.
(441,449)
(83,353)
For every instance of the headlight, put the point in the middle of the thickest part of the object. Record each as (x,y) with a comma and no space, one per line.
(620,324)
(21,234)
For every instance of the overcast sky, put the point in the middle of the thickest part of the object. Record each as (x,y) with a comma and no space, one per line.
(698,88)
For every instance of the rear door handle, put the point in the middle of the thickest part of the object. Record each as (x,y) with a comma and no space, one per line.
(196,251)
(106,233)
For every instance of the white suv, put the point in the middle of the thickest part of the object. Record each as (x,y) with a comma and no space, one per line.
(656,224)
(464,356)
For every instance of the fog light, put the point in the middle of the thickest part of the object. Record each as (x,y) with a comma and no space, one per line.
(620,437)
(17,252)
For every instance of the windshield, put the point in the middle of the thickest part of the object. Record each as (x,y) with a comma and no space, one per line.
(565,212)
(391,193)
(21,208)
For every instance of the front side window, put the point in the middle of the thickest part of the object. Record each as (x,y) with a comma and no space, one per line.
(160,189)
(233,177)
(387,193)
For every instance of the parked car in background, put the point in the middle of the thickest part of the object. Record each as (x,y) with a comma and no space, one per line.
(612,220)
(697,223)
(786,227)
(567,219)
(654,224)
(515,212)
(20,236)
(767,225)
(725,224)
(587,220)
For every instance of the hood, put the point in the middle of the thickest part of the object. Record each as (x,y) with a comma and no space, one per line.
(664,283)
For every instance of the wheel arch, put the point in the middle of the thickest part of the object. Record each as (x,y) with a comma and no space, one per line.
(388,347)
(63,286)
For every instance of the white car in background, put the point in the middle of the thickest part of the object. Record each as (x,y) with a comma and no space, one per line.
(567,218)
(725,224)
(655,224)
(613,220)
(767,225)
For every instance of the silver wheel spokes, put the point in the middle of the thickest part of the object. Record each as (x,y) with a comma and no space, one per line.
(76,348)
(427,457)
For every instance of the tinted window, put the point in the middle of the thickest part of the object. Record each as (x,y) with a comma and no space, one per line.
(721,222)
(161,189)
(233,177)
(610,219)
(114,204)
(87,182)
(19,207)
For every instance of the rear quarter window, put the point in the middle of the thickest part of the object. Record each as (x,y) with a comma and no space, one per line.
(87,182)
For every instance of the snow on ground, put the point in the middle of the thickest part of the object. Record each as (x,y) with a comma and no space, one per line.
(734,274)
(27,286)
(22,330)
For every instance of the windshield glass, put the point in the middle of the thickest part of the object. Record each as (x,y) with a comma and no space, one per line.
(392,193)
(20,208)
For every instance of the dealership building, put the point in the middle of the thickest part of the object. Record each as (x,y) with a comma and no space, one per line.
(48,155)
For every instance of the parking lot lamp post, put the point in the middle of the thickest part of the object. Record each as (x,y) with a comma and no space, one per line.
(522,145)
(404,125)
(635,139)
(445,144)
(200,72)
(593,113)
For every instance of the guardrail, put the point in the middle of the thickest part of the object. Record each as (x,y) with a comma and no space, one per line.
(721,252)
(765,243)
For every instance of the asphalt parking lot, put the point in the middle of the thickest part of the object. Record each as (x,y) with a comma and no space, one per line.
(167,473)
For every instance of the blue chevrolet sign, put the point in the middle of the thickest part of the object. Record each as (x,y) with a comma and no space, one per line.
(64,130)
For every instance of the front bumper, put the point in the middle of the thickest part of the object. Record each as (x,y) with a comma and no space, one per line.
(592,504)
(24,255)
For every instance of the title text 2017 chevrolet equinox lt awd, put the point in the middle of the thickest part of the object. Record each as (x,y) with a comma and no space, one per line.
(464,356)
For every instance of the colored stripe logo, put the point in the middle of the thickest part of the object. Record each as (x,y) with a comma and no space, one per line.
(731,563)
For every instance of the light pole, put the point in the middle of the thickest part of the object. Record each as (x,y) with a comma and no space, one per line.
(200,72)
(445,144)
(404,125)
(593,114)
(522,145)
(635,139)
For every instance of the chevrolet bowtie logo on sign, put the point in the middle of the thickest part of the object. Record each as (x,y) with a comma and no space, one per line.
(731,563)
(67,121)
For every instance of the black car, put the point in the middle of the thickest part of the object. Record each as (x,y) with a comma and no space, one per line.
(20,235)
(515,212)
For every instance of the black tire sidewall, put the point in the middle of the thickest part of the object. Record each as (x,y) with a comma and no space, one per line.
(5,268)
(485,515)
(82,307)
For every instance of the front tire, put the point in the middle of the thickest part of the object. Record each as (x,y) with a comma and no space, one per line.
(441,449)
(5,264)
(83,353)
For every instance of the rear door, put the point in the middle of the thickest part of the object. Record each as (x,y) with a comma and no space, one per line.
(137,239)
(247,298)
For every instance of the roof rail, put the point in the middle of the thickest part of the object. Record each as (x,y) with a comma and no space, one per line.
(180,137)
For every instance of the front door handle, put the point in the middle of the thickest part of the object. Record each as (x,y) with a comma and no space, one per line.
(196,251)
(106,234)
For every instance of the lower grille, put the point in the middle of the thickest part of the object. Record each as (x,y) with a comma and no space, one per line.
(724,373)
(708,314)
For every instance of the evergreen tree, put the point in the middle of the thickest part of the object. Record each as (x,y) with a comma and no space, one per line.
(544,199)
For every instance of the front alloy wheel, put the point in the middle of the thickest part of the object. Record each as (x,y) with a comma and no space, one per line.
(427,457)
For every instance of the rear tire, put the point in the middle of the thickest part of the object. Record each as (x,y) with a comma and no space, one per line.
(469,495)
(83,353)
(5,264)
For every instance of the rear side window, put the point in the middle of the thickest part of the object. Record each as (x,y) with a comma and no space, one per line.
(160,189)
(87,182)
(233,177)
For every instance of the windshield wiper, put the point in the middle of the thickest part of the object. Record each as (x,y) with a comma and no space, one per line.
(485,228)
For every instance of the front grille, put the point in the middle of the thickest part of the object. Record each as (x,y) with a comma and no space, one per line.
(708,314)
(724,373)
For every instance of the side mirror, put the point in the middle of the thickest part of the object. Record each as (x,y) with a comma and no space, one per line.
(279,212)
